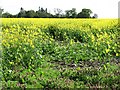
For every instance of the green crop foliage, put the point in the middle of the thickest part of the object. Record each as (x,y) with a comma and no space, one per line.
(60,53)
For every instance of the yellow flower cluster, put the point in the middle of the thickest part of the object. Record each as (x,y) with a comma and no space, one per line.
(18,31)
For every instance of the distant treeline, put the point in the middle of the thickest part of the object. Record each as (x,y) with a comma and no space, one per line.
(43,13)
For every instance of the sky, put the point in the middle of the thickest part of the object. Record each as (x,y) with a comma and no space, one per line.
(104,8)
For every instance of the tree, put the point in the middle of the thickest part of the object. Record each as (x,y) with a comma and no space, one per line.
(71,13)
(30,14)
(85,13)
(95,16)
(22,13)
(42,10)
(7,15)
(39,9)
(42,13)
(46,10)
(1,11)
(58,12)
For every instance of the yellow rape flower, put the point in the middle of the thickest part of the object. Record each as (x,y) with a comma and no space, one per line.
(11,63)
(117,54)
(107,50)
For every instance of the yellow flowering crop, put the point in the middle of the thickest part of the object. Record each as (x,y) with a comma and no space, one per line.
(24,34)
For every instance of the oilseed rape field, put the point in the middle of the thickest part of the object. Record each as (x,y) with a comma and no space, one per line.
(60,53)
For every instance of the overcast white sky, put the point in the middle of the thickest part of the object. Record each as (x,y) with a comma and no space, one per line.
(104,8)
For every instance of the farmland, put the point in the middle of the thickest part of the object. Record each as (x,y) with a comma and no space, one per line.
(60,53)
